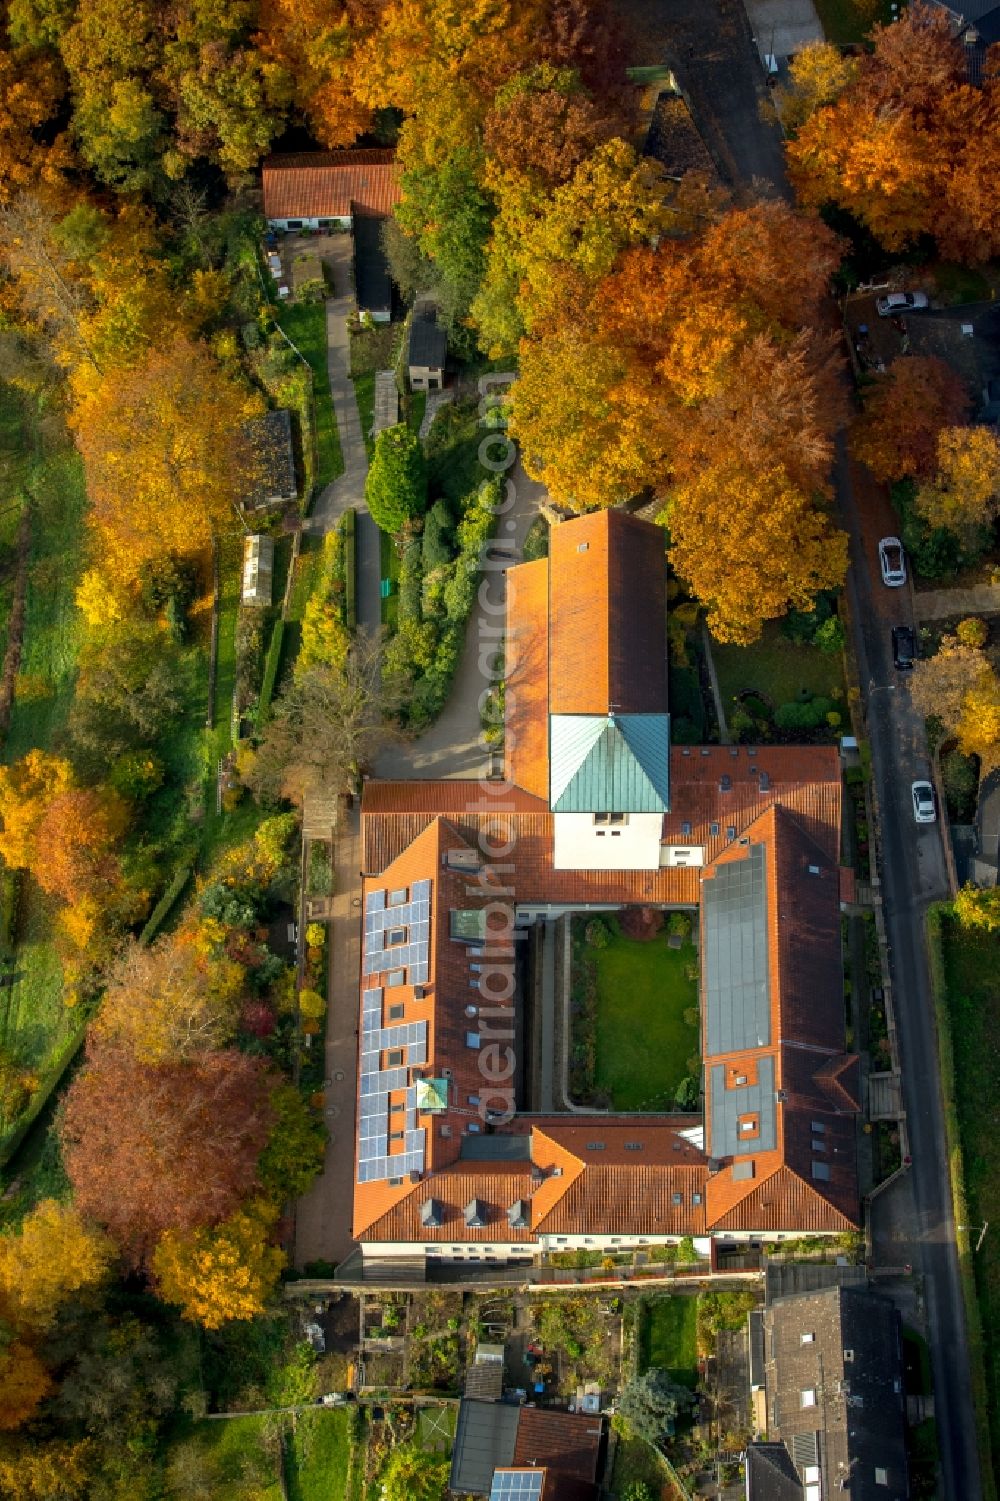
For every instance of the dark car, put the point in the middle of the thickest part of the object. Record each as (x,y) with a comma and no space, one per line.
(904,647)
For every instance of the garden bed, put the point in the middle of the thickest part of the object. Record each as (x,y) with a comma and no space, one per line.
(780,690)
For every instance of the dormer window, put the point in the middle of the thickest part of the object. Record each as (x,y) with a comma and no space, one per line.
(475,1214)
(610,820)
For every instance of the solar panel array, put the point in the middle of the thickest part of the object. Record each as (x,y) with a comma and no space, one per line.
(377,1083)
(415,917)
(517,1485)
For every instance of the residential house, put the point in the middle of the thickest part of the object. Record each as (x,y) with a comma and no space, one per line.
(596,811)
(835,1404)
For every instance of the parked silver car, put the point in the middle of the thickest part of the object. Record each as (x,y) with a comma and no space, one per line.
(901,302)
(924,807)
(892,562)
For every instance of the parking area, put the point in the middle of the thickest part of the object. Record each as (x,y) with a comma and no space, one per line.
(783,27)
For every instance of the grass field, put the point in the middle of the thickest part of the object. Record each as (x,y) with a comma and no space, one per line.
(643,1040)
(305,325)
(778,668)
(235,1459)
(667,1338)
(318,1456)
(972,978)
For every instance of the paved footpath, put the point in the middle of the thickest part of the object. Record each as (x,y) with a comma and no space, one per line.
(323,1217)
(938,604)
(348,489)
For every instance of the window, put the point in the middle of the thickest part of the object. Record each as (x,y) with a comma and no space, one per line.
(394,937)
(677,1198)
(739,1078)
(396,1105)
(472,1040)
(467,924)
(397,1135)
(633,1146)
(293,223)
(807,1398)
(713,829)
(696,1198)
(686,828)
(396,977)
(396,1013)
(397,898)
(473,1099)
(821,1171)
(583,547)
(731,831)
(610,819)
(817,1145)
(807,1339)
(749,1125)
(595,1146)
(818,1127)
(848,1357)
(395,1182)
(881,1475)
(394,1058)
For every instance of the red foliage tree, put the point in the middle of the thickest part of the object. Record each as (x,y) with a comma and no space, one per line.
(150,1147)
(905,412)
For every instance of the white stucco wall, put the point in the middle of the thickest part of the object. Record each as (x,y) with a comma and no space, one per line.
(580,844)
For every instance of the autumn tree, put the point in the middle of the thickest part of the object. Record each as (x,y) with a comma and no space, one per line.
(156,1147)
(164,453)
(327,725)
(412,1474)
(905,412)
(32,1469)
(24,1383)
(164,1002)
(959,688)
(27,787)
(817,75)
(899,146)
(396,487)
(542,125)
(310,48)
(221,1273)
(295,1148)
(30,91)
(751,545)
(978,907)
(78,839)
(964,494)
(55,1255)
(127,692)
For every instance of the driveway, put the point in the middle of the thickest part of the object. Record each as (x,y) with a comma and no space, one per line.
(451,747)
(782,27)
(348,489)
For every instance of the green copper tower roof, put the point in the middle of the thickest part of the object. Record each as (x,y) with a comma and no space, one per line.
(609,763)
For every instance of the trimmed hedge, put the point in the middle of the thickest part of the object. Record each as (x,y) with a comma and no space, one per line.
(166,904)
(14,1138)
(272,662)
(348,532)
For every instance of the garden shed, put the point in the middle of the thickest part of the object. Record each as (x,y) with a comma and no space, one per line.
(258,569)
(427,352)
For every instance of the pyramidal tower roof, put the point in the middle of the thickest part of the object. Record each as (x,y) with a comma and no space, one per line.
(609,763)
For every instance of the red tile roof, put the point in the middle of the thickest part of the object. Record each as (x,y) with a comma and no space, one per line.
(329,184)
(568,1444)
(607,615)
(526,663)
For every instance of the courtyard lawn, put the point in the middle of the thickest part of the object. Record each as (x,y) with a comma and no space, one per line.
(777,668)
(971,964)
(668,1338)
(318,1456)
(305,325)
(643,1041)
(235,1457)
(637,1462)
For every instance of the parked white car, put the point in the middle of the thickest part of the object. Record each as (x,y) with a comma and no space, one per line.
(892,562)
(901,302)
(924,807)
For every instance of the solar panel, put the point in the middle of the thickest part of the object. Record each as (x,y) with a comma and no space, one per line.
(375,1162)
(735,957)
(517,1485)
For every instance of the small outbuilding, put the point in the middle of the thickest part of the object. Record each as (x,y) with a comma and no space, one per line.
(258,569)
(372,280)
(427,351)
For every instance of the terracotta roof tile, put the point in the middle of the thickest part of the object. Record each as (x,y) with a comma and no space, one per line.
(329,184)
(607,616)
(782,1201)
(526,739)
(568,1444)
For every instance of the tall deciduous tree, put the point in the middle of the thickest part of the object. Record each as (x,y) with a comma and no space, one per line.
(965,492)
(905,412)
(959,688)
(818,75)
(167,464)
(54,1256)
(26,789)
(164,1002)
(24,1383)
(150,1148)
(311,45)
(222,1273)
(978,907)
(78,837)
(414,1475)
(30,91)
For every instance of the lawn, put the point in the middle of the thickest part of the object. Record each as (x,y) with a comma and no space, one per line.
(668,1338)
(305,325)
(644,1042)
(972,979)
(234,1458)
(388,555)
(318,1456)
(638,1462)
(778,668)
(851,20)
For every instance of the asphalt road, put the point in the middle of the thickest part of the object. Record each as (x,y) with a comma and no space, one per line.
(917,1225)
(724,80)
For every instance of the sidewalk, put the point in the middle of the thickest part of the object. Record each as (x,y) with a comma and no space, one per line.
(348,489)
(938,604)
(323,1217)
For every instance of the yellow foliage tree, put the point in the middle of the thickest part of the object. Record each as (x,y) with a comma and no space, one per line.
(167,1001)
(166,462)
(32,1470)
(978,907)
(751,544)
(965,492)
(55,1255)
(101,599)
(818,75)
(219,1274)
(26,790)
(941,684)
(979,725)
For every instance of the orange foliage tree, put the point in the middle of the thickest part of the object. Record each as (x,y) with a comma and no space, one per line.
(312,45)
(24,1383)
(30,91)
(77,838)
(26,790)
(166,462)
(150,1148)
(909,147)
(905,412)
